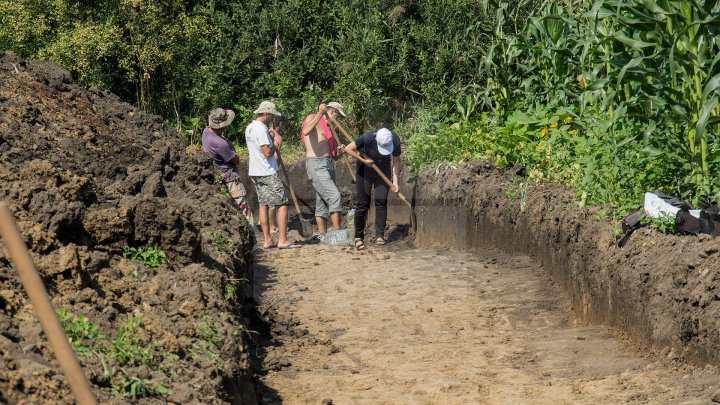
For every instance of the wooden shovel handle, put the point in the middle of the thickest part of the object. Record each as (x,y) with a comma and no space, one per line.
(287,179)
(373,165)
(44,309)
(347,162)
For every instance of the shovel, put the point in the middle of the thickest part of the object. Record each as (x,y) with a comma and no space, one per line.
(413,219)
(373,165)
(306,228)
(347,162)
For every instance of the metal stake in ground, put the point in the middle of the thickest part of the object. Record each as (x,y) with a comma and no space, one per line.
(44,309)
(306,228)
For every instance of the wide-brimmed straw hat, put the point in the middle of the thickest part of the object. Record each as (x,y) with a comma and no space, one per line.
(220,118)
(267,107)
(337,106)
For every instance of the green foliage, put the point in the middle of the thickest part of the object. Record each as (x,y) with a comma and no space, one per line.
(204,351)
(82,333)
(152,257)
(665,223)
(129,349)
(134,387)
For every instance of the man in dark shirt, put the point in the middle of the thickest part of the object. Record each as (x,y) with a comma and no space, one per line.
(224,157)
(381,147)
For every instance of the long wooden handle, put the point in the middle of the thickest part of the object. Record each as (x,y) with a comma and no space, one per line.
(287,179)
(373,165)
(347,162)
(44,309)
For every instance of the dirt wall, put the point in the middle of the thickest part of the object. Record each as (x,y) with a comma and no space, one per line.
(87,175)
(660,289)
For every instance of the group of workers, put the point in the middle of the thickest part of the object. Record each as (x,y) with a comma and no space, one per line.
(381,148)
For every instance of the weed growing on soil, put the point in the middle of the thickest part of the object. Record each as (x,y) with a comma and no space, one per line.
(128,349)
(134,387)
(665,223)
(221,243)
(230,292)
(152,256)
(220,183)
(204,351)
(517,191)
(82,333)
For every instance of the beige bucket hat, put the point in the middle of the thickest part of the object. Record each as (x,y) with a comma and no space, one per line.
(267,107)
(220,118)
(337,106)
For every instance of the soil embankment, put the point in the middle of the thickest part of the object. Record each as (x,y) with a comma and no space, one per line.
(661,289)
(87,175)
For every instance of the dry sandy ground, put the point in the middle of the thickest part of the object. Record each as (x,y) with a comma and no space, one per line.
(397,325)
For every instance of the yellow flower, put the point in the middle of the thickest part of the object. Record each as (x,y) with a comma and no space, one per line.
(574,132)
(581,81)
(567,120)
(544,132)
(554,125)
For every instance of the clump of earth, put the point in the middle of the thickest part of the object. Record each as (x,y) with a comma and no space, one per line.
(89,178)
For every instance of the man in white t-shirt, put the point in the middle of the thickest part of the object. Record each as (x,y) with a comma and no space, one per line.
(262,168)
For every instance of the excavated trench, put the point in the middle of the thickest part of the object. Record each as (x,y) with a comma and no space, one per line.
(505,292)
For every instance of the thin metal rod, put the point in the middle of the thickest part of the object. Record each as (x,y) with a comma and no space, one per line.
(44,309)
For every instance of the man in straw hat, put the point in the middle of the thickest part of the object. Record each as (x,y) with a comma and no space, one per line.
(225,158)
(263,167)
(320,149)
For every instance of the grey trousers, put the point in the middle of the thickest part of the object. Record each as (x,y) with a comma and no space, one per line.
(321,172)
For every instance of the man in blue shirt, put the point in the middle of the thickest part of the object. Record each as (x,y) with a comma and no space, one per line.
(383,148)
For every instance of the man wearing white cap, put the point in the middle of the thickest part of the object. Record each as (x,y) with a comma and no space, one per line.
(320,149)
(383,148)
(224,157)
(263,167)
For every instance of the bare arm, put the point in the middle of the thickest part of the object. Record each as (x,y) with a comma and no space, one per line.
(235,161)
(395,168)
(309,126)
(269,150)
(352,151)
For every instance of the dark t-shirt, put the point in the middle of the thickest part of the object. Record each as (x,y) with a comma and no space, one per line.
(222,152)
(368,145)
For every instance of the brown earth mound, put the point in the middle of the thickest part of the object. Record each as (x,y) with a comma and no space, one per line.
(661,289)
(87,175)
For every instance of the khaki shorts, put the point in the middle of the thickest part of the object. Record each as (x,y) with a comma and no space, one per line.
(270,190)
(238,193)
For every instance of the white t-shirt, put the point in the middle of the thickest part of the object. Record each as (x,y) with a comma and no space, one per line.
(256,135)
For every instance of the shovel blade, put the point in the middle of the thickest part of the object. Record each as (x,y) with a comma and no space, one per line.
(306,229)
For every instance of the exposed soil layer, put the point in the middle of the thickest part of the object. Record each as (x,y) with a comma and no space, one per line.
(397,325)
(660,289)
(86,175)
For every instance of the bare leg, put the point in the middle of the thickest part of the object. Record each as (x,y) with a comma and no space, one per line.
(267,239)
(335,218)
(282,215)
(322,228)
(273,219)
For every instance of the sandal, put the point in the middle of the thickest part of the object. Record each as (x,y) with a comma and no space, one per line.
(380,241)
(359,244)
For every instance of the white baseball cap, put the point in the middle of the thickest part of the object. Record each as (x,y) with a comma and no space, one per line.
(384,139)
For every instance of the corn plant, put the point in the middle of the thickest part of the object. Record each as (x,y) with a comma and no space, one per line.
(666,55)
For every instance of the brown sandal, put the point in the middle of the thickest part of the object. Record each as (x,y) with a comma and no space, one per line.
(359,244)
(380,241)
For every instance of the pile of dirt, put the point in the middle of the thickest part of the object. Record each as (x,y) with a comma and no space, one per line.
(664,290)
(87,176)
